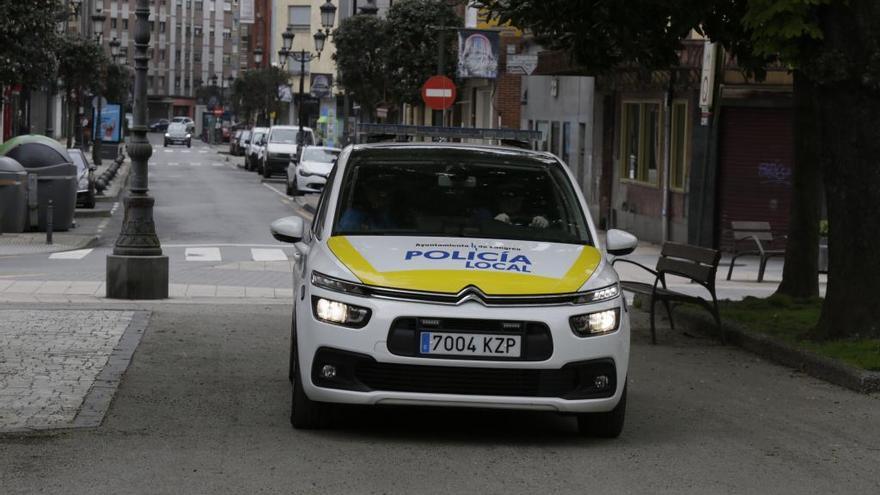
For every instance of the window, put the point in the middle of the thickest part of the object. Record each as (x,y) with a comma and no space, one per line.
(198,30)
(125,24)
(162,54)
(554,138)
(197,57)
(162,26)
(113,23)
(566,141)
(640,141)
(679,145)
(227,34)
(543,127)
(300,16)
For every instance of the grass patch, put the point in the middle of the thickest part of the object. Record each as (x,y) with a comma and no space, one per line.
(792,321)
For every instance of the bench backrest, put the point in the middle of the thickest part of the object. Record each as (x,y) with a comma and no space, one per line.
(748,230)
(693,262)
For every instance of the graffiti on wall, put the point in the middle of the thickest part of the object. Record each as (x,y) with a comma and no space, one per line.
(774,172)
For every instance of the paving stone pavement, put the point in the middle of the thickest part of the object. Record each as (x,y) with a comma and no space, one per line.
(59,368)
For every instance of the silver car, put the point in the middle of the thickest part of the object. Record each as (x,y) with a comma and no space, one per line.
(177,133)
(310,174)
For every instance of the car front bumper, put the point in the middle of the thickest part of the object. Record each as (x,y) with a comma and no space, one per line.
(369,373)
(277,165)
(310,183)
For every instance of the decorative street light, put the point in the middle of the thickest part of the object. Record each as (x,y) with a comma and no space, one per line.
(328,15)
(98,19)
(258,56)
(137,269)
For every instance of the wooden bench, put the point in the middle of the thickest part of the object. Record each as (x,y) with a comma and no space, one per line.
(694,263)
(759,235)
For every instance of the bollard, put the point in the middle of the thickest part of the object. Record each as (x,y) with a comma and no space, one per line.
(50,210)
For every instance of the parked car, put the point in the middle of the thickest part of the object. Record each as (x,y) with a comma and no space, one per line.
(188,122)
(177,133)
(242,142)
(254,153)
(233,142)
(281,147)
(457,276)
(160,125)
(310,173)
(225,134)
(85,178)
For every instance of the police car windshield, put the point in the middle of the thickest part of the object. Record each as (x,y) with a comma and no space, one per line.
(522,199)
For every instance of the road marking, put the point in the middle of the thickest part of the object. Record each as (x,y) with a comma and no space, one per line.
(184,151)
(216,164)
(168,151)
(268,255)
(173,164)
(152,163)
(114,208)
(196,164)
(203,254)
(77,254)
(276,191)
(203,151)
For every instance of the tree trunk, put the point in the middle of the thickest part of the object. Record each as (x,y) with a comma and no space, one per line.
(71,115)
(850,145)
(800,274)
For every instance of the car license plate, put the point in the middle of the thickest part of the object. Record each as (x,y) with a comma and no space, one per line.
(471,344)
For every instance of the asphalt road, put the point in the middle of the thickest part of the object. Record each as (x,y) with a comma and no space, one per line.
(204,408)
(204,201)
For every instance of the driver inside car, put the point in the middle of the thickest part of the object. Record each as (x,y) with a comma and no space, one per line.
(511,211)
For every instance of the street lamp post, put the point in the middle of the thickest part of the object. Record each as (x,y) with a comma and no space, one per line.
(328,15)
(98,19)
(137,269)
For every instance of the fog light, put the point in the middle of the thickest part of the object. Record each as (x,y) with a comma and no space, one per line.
(600,382)
(328,371)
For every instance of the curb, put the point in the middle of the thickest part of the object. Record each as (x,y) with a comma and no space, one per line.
(92,212)
(775,350)
(120,179)
(81,242)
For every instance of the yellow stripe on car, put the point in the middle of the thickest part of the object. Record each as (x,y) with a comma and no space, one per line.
(453,281)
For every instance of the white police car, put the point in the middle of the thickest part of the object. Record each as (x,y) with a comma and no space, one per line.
(456,275)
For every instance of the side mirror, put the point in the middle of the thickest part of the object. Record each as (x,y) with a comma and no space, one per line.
(288,229)
(620,243)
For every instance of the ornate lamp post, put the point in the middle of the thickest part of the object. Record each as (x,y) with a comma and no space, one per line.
(328,15)
(98,19)
(137,269)
(258,57)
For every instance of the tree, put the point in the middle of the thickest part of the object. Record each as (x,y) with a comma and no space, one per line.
(81,67)
(413,46)
(28,41)
(118,83)
(832,47)
(256,92)
(360,56)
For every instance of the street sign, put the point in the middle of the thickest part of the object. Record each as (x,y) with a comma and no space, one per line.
(218,112)
(522,64)
(382,112)
(438,92)
(95,101)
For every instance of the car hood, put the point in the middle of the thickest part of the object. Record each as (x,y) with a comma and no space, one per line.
(448,265)
(281,148)
(317,167)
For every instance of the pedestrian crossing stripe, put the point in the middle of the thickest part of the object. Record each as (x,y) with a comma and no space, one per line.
(216,164)
(268,254)
(203,254)
(196,164)
(77,254)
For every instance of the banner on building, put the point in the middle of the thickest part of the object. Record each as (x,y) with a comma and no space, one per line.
(110,122)
(321,85)
(477,54)
(523,64)
(246,14)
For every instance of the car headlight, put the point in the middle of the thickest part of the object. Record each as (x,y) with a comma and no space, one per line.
(596,323)
(336,285)
(308,173)
(188,136)
(601,294)
(339,313)
(167,135)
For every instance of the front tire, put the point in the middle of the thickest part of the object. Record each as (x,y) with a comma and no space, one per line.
(267,172)
(606,424)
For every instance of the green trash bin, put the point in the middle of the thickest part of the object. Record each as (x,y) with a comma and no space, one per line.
(56,176)
(13,196)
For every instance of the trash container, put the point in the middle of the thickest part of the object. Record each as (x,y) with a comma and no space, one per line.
(13,196)
(56,176)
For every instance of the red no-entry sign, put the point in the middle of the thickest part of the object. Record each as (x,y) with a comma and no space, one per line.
(438,92)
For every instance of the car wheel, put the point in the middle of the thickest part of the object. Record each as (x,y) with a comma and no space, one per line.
(305,414)
(267,172)
(90,198)
(189,144)
(289,189)
(295,188)
(604,425)
(165,144)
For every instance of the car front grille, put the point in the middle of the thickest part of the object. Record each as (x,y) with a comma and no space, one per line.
(363,373)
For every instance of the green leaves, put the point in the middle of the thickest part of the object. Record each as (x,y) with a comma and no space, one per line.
(783,28)
(28,41)
(360,56)
(256,91)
